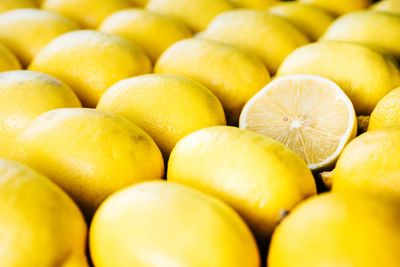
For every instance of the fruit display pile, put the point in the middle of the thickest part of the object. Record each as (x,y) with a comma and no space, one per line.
(199,133)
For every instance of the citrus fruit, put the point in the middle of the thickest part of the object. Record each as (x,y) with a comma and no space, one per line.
(140,3)
(386,113)
(307,113)
(391,6)
(167,107)
(339,7)
(24,95)
(19,31)
(373,28)
(256,175)
(90,62)
(88,13)
(196,13)
(364,74)
(88,153)
(8,61)
(39,224)
(234,76)
(167,224)
(309,19)
(370,163)
(152,32)
(254,4)
(6,5)
(269,37)
(337,230)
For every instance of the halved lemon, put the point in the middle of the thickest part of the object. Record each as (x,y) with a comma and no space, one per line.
(309,114)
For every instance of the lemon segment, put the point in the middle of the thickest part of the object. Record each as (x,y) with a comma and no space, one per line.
(309,114)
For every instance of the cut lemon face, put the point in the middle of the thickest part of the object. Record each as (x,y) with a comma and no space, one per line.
(309,114)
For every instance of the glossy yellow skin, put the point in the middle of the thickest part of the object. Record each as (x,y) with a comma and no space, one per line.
(167,107)
(365,75)
(19,31)
(386,113)
(88,153)
(154,33)
(309,19)
(196,14)
(24,95)
(8,61)
(256,175)
(88,13)
(90,62)
(338,230)
(269,37)
(39,224)
(339,7)
(169,225)
(6,5)
(370,163)
(255,4)
(370,27)
(391,6)
(233,75)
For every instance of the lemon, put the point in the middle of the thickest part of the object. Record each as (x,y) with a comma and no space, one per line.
(8,61)
(24,95)
(154,33)
(373,28)
(338,230)
(258,176)
(269,37)
(233,75)
(370,163)
(256,4)
(140,3)
(339,7)
(167,107)
(90,62)
(6,5)
(311,20)
(364,74)
(88,153)
(391,6)
(195,13)
(39,224)
(88,13)
(309,114)
(19,31)
(386,113)
(167,224)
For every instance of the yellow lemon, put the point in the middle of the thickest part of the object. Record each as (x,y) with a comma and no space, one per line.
(167,107)
(311,20)
(233,75)
(39,224)
(370,163)
(391,6)
(256,4)
(88,153)
(195,13)
(307,113)
(27,31)
(269,37)
(338,230)
(152,32)
(364,74)
(88,13)
(140,3)
(169,225)
(387,112)
(339,7)
(8,61)
(373,28)
(258,176)
(90,62)
(24,95)
(6,5)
